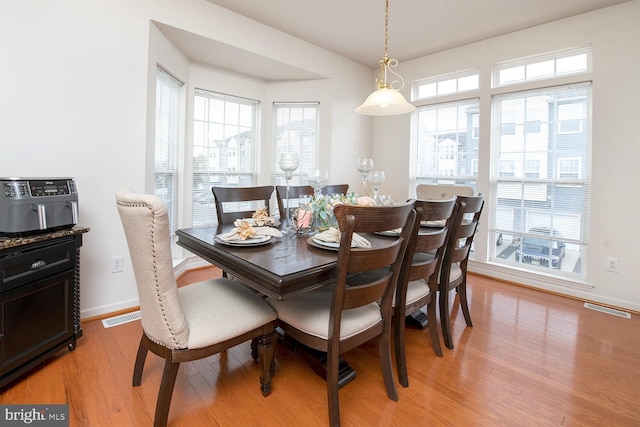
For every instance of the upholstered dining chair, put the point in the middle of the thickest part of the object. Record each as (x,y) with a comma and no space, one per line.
(442,191)
(191,322)
(418,280)
(345,314)
(453,272)
(223,195)
(296,191)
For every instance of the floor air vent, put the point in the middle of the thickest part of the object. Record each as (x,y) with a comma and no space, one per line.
(119,320)
(608,310)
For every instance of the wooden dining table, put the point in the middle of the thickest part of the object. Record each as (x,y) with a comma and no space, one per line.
(282,268)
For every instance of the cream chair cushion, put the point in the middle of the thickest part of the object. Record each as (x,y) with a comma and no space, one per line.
(237,310)
(309,312)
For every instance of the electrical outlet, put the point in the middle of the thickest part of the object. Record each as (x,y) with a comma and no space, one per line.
(116,264)
(612,265)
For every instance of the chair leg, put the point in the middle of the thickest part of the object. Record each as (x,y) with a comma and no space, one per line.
(139,365)
(254,349)
(165,393)
(433,327)
(445,323)
(462,293)
(265,346)
(384,350)
(333,361)
(399,346)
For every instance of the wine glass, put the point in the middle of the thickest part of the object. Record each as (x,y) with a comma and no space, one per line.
(364,167)
(318,180)
(288,163)
(376,178)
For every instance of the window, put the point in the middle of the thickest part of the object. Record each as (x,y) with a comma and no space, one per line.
(543,67)
(542,198)
(446,149)
(295,130)
(168,92)
(569,168)
(446,85)
(224,149)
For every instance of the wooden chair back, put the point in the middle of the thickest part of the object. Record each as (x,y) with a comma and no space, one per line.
(368,275)
(420,270)
(296,191)
(453,272)
(224,195)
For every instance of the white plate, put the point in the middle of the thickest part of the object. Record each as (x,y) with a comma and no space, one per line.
(326,245)
(335,245)
(253,241)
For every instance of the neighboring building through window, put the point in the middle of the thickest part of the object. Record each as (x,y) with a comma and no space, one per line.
(541,198)
(295,130)
(446,148)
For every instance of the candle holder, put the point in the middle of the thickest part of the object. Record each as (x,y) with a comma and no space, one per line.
(288,163)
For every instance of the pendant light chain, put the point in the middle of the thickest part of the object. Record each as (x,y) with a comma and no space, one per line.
(386,29)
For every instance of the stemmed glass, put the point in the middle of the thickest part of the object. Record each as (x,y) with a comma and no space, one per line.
(318,180)
(288,163)
(376,178)
(364,167)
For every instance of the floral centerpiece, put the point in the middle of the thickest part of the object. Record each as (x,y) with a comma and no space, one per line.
(323,206)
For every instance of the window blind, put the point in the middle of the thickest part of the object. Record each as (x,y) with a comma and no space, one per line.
(166,142)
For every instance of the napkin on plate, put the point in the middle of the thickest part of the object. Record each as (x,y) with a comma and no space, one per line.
(332,235)
(243,231)
(262,218)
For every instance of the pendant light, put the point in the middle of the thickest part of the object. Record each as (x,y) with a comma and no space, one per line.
(386,100)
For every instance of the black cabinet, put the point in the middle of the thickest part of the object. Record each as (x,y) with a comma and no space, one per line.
(39,303)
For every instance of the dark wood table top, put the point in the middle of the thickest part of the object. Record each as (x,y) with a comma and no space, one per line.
(282,268)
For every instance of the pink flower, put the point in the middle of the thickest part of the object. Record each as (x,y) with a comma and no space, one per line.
(365,201)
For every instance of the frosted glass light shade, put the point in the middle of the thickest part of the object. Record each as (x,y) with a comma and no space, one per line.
(385,102)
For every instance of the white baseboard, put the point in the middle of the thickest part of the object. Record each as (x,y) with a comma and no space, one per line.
(554,284)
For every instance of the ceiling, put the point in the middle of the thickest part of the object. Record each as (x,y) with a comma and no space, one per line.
(355,28)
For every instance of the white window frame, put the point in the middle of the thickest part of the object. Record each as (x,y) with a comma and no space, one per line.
(448,84)
(541,201)
(558,63)
(224,126)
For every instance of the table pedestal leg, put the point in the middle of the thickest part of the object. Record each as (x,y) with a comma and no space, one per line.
(317,360)
(418,318)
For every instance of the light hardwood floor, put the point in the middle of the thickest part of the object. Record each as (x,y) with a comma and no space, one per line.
(531,359)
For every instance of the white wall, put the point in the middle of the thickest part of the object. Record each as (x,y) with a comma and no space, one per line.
(77,80)
(614,34)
